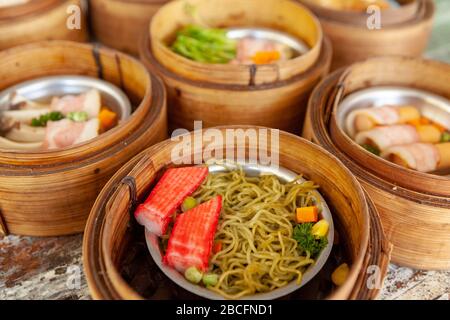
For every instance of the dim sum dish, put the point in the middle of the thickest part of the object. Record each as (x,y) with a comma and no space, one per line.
(360,29)
(391,129)
(66,125)
(231,55)
(58,112)
(414,135)
(20,20)
(234,229)
(256,243)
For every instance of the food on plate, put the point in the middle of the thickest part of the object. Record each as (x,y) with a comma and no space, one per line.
(387,136)
(212,45)
(367,118)
(340,274)
(63,122)
(403,135)
(423,157)
(191,239)
(235,234)
(172,189)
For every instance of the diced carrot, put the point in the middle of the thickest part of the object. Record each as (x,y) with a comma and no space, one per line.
(307,214)
(265,57)
(414,122)
(107,118)
(217,247)
(424,120)
(440,128)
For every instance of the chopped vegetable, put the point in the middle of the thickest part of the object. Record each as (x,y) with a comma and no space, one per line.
(210,279)
(372,149)
(266,57)
(320,229)
(193,275)
(445,137)
(188,204)
(307,214)
(340,274)
(205,45)
(78,116)
(307,242)
(108,119)
(43,119)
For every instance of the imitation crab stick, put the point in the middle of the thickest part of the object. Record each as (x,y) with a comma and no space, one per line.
(191,240)
(174,186)
(307,214)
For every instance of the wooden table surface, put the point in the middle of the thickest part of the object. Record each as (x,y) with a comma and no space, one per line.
(51,268)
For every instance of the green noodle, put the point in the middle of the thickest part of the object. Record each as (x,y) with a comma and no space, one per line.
(256,226)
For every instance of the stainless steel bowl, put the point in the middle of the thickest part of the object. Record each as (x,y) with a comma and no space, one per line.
(433,107)
(251,170)
(298,46)
(41,89)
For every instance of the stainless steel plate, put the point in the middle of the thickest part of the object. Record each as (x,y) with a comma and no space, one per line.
(41,89)
(434,107)
(251,170)
(299,46)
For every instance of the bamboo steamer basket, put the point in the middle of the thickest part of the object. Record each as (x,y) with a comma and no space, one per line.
(390,16)
(414,207)
(48,193)
(221,94)
(39,20)
(111,226)
(120,23)
(353,41)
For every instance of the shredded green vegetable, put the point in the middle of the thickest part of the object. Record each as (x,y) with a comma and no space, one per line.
(207,45)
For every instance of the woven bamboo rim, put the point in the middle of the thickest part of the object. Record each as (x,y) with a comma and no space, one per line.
(32,6)
(40,20)
(279,14)
(416,223)
(120,24)
(352,43)
(109,223)
(391,16)
(38,197)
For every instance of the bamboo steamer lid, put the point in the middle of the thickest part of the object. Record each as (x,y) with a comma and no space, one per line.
(120,23)
(38,20)
(47,193)
(227,98)
(356,42)
(110,228)
(414,207)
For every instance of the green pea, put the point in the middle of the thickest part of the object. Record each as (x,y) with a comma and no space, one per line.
(210,279)
(188,204)
(445,137)
(193,275)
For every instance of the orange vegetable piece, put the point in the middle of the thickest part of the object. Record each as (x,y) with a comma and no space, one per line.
(424,120)
(107,118)
(307,214)
(265,57)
